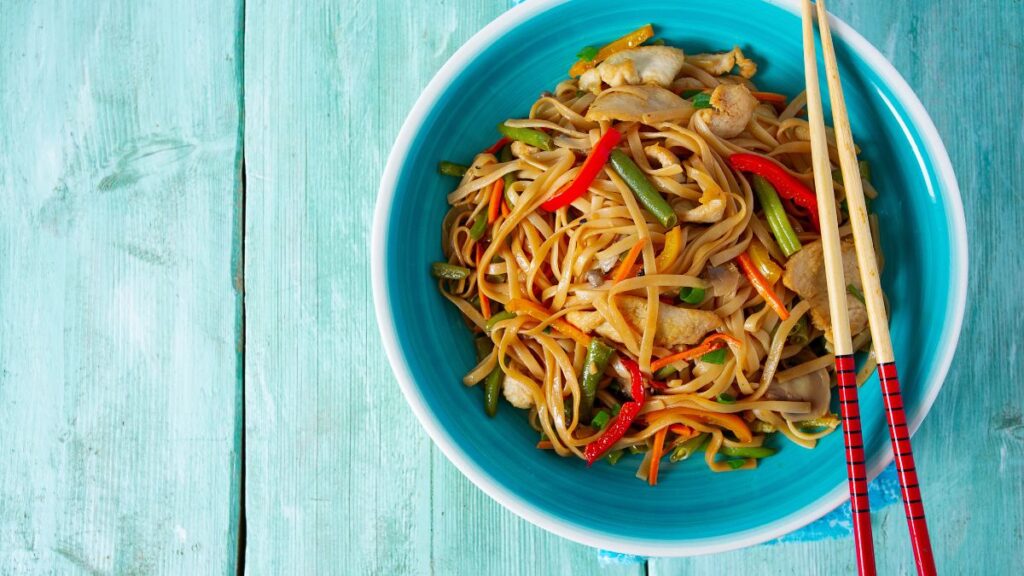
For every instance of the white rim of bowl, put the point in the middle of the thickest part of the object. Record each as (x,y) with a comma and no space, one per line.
(792,521)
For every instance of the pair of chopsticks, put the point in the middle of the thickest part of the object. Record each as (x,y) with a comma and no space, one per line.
(872,289)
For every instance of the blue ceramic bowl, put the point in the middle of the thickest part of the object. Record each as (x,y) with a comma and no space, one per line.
(497,75)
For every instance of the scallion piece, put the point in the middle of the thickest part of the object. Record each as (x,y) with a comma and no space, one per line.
(691,295)
(715,356)
(687,94)
(638,449)
(865,170)
(601,419)
(746,451)
(452,169)
(588,53)
(778,222)
(736,464)
(528,136)
(449,271)
(855,292)
(702,100)
(688,448)
(613,456)
(657,42)
(725,397)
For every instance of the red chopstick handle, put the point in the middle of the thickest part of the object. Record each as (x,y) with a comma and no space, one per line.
(855,469)
(905,469)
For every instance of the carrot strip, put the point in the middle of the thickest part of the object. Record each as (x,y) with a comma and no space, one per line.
(542,314)
(730,422)
(495,204)
(485,302)
(626,266)
(710,344)
(505,211)
(656,452)
(760,284)
(684,431)
(770,97)
(545,445)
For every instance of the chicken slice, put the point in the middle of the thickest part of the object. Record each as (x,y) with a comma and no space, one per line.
(732,107)
(724,62)
(517,393)
(637,103)
(644,65)
(805,275)
(675,327)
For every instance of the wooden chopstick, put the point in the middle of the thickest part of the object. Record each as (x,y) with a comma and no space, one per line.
(841,342)
(879,324)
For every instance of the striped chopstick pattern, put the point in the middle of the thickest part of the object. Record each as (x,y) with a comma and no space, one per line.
(910,489)
(856,471)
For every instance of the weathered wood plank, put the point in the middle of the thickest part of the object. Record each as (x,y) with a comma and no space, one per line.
(119,383)
(340,477)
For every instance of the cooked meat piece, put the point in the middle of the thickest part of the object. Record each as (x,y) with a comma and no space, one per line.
(517,393)
(633,103)
(676,326)
(724,62)
(732,107)
(644,65)
(805,275)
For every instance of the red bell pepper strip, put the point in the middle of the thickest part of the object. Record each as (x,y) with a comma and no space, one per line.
(788,187)
(497,146)
(591,167)
(618,426)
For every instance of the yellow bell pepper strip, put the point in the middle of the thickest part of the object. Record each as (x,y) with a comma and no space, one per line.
(759,254)
(631,40)
(673,243)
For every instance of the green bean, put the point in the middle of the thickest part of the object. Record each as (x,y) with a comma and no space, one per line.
(826,421)
(492,390)
(500,316)
(865,170)
(529,136)
(852,290)
(746,451)
(776,215)
(642,188)
(688,448)
(479,227)
(449,271)
(596,362)
(452,169)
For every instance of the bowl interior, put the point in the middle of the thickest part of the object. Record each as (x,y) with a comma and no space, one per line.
(692,509)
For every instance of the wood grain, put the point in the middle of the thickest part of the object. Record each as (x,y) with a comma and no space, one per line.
(340,478)
(119,383)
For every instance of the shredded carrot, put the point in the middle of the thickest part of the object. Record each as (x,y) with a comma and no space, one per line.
(542,314)
(730,422)
(545,445)
(770,97)
(626,266)
(656,451)
(485,302)
(760,284)
(505,211)
(495,205)
(710,344)
(631,40)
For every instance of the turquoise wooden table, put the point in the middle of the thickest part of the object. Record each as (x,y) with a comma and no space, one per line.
(191,380)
